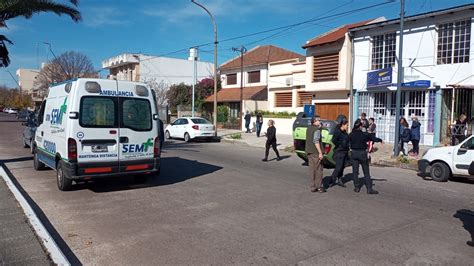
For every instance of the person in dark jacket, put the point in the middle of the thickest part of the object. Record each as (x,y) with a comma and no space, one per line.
(364,121)
(415,135)
(271,140)
(459,130)
(371,130)
(341,141)
(358,142)
(161,133)
(259,123)
(247,118)
(404,136)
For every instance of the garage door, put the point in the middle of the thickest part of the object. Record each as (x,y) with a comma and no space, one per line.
(332,110)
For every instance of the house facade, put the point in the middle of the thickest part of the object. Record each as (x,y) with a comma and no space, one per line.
(142,68)
(438,75)
(26,79)
(255,75)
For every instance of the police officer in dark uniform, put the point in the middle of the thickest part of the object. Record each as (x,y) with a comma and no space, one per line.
(341,141)
(358,142)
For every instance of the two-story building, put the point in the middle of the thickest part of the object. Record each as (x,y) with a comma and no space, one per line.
(438,76)
(140,67)
(253,90)
(321,78)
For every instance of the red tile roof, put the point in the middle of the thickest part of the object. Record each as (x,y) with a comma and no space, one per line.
(256,93)
(261,55)
(333,35)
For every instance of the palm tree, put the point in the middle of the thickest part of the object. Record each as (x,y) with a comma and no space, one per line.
(27,8)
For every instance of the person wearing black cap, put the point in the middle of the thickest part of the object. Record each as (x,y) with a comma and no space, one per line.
(358,142)
(315,154)
(341,141)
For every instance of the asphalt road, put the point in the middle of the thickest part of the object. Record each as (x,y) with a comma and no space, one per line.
(217,203)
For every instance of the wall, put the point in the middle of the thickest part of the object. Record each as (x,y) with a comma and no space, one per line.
(284,126)
(253,106)
(26,79)
(263,76)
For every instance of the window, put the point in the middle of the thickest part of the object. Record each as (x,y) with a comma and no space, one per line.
(468,144)
(41,113)
(254,76)
(284,99)
(200,121)
(98,112)
(136,114)
(304,97)
(383,51)
(326,67)
(231,79)
(454,42)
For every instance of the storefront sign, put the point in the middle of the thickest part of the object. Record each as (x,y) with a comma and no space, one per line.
(309,110)
(417,84)
(381,77)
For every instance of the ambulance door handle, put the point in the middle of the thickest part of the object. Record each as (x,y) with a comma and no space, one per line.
(123,139)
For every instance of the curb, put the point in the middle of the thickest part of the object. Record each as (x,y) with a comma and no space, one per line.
(55,253)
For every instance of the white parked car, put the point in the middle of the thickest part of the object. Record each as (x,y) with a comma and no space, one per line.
(445,162)
(12,111)
(190,128)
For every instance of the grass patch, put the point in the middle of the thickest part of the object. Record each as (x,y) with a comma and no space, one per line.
(236,136)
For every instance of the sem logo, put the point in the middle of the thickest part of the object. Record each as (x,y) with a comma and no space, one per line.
(57,114)
(128,148)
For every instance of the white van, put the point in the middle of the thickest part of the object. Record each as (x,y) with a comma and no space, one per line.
(90,128)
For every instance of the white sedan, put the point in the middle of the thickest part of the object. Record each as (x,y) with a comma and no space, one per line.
(190,128)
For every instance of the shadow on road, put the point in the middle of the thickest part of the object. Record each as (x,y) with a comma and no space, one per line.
(427,177)
(173,170)
(467,218)
(15,160)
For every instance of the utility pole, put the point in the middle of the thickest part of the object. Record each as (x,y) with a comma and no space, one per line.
(215,61)
(396,148)
(193,55)
(242,50)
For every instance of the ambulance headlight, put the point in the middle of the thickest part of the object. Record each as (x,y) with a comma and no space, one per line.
(93,87)
(141,90)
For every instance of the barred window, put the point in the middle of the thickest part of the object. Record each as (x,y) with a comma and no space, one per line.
(231,79)
(304,97)
(383,51)
(454,42)
(284,99)
(326,67)
(254,76)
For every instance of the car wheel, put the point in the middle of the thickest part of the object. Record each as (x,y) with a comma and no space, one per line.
(187,138)
(167,135)
(37,164)
(64,183)
(440,172)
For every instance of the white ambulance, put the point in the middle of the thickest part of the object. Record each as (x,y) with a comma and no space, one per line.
(91,128)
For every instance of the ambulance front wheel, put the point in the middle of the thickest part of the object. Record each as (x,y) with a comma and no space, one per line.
(64,183)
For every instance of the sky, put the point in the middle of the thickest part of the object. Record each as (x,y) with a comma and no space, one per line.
(170,27)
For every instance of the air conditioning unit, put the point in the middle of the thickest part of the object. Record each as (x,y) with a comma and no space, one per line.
(289,81)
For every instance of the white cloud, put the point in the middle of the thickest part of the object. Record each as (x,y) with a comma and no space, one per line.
(103,16)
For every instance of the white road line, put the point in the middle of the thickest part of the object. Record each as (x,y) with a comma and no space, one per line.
(54,251)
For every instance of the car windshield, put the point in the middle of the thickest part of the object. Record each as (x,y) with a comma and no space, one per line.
(200,121)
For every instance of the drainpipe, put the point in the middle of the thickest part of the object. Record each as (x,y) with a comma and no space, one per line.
(437,116)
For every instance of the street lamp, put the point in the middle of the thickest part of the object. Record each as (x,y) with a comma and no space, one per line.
(215,61)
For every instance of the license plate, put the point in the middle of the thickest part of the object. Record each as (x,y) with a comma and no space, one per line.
(99,148)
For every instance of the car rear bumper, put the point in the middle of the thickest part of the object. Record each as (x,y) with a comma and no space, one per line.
(82,171)
(204,134)
(423,166)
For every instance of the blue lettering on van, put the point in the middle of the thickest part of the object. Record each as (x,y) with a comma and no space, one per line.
(49,146)
(117,93)
(131,148)
(58,113)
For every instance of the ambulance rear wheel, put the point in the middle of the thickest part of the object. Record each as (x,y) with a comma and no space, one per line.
(64,183)
(37,164)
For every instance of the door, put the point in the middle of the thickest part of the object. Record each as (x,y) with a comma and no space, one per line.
(137,131)
(174,128)
(331,111)
(96,130)
(464,156)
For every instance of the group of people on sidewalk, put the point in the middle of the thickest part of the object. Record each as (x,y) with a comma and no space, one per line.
(356,143)
(258,123)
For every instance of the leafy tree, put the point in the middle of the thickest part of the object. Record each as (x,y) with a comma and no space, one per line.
(10,9)
(68,65)
(179,94)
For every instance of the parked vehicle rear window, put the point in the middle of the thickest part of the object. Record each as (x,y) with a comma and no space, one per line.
(98,112)
(200,121)
(136,114)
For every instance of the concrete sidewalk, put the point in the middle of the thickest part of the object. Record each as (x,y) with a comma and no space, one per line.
(382,156)
(18,243)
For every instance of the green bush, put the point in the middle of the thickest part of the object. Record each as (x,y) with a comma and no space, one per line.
(222,113)
(284,114)
(236,136)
